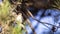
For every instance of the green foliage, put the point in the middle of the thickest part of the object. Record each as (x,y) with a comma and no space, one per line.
(5,18)
(4,10)
(17,30)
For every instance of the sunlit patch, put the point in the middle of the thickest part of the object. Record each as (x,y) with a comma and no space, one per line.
(19,18)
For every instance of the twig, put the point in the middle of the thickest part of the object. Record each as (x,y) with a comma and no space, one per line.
(40,21)
(31,26)
(29,23)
